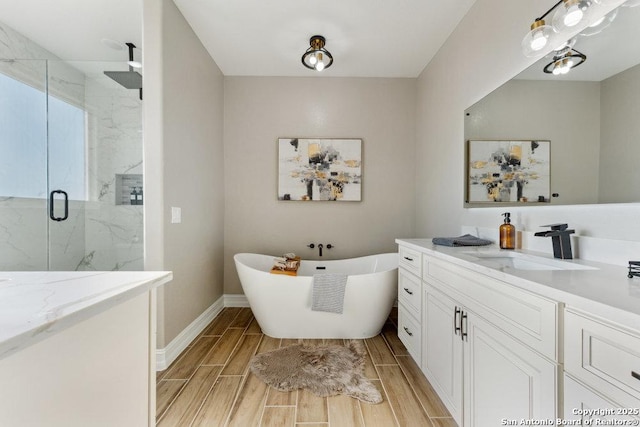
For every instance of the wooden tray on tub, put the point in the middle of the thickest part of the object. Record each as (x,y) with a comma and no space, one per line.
(287,271)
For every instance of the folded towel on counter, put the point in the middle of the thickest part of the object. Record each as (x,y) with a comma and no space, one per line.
(328,292)
(466,240)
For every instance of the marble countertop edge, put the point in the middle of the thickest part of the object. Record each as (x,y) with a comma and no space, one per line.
(80,301)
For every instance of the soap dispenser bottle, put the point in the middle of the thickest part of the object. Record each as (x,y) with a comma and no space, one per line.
(507,233)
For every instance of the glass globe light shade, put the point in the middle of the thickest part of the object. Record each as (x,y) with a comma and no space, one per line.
(536,39)
(571,13)
(573,16)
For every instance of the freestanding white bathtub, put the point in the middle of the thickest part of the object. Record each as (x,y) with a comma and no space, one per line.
(282,304)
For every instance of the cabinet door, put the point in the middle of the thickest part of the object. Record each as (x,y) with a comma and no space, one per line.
(442,349)
(503,379)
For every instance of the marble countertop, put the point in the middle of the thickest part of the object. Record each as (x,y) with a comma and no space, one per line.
(35,305)
(605,290)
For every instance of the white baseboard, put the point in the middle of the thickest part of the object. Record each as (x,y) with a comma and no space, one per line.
(166,356)
(235,300)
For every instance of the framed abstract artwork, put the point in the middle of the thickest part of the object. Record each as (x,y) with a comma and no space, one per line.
(508,171)
(320,169)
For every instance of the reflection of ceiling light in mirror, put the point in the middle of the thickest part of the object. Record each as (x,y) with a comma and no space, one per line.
(134,64)
(113,44)
(565,46)
(564,61)
(600,24)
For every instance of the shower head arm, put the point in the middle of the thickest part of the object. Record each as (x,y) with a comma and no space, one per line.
(131,47)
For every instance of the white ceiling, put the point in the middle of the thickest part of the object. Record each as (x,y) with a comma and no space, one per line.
(367,38)
(72,29)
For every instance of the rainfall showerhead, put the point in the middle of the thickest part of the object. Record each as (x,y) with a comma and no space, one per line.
(130,79)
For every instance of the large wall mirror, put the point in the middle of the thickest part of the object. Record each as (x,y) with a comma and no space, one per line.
(591,116)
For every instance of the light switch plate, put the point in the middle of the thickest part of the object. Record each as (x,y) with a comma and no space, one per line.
(176,215)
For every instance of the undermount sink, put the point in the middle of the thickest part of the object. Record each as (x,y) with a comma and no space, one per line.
(520,261)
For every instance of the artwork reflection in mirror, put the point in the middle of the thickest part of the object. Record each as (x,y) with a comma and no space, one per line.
(589,114)
(508,171)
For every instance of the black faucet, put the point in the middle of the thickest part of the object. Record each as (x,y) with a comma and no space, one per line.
(560,238)
(320,246)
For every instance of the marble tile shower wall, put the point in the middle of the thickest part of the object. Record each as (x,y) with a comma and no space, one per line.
(114,233)
(98,234)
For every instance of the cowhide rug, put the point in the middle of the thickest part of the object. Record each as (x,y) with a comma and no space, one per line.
(323,370)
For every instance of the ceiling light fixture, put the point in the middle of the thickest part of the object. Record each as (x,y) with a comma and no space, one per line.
(317,57)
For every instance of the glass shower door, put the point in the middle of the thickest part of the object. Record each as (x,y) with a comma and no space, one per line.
(95,169)
(23,165)
(71,190)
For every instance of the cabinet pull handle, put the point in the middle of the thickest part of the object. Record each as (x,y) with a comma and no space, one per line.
(408,259)
(408,291)
(464,334)
(407,331)
(456,322)
(635,375)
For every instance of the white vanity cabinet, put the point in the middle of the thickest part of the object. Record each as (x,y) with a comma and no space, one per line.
(483,374)
(583,406)
(602,367)
(410,301)
(518,346)
(442,342)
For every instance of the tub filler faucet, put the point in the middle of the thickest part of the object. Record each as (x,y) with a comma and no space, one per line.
(560,237)
(320,246)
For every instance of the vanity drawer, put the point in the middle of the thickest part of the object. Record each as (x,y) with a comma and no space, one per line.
(409,293)
(411,260)
(604,356)
(528,317)
(410,333)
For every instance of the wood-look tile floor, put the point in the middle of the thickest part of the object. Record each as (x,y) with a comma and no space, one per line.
(210,384)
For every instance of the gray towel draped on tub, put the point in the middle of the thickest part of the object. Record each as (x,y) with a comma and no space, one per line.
(328,292)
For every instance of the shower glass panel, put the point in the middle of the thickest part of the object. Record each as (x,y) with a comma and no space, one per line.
(23,165)
(71,190)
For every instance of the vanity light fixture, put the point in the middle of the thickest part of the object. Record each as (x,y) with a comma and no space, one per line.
(317,57)
(568,14)
(571,13)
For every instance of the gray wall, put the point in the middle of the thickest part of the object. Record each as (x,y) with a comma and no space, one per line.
(260,110)
(620,152)
(184,96)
